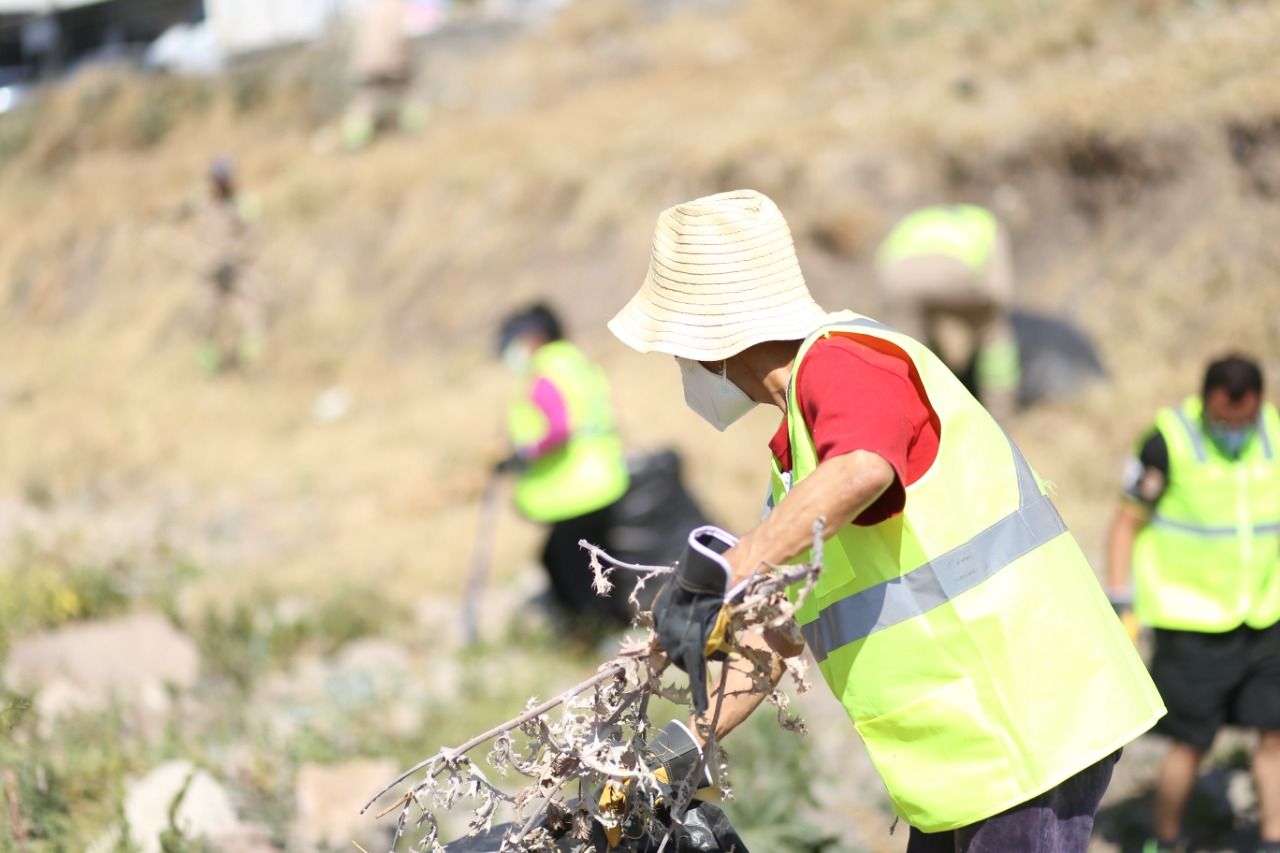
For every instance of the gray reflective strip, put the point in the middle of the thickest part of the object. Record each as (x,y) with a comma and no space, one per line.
(1166,523)
(1220,531)
(1028,489)
(1264,437)
(861,321)
(940,580)
(1193,432)
(867,321)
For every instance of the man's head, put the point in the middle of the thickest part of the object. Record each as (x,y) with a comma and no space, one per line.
(1232,395)
(523,331)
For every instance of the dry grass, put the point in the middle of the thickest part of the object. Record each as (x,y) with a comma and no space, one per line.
(1133,147)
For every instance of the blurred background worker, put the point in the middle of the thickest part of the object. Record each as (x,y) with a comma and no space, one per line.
(567,456)
(1201,524)
(382,71)
(232,333)
(954,262)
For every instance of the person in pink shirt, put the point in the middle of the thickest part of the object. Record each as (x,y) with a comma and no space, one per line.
(568,461)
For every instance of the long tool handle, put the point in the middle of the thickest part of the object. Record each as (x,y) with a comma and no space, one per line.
(481,557)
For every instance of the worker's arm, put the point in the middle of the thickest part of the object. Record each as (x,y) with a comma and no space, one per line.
(744,690)
(838,490)
(548,400)
(1129,519)
(547,397)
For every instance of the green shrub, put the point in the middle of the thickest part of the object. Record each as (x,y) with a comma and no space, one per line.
(41,591)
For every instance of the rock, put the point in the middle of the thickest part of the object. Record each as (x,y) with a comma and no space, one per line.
(331,405)
(329,798)
(85,666)
(204,812)
(374,656)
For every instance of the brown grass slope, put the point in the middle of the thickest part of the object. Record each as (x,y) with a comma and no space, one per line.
(1134,149)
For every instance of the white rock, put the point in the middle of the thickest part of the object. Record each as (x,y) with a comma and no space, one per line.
(385,659)
(204,812)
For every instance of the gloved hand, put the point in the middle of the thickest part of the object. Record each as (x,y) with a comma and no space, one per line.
(688,612)
(513,464)
(673,756)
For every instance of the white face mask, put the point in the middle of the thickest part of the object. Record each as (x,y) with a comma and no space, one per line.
(517,356)
(712,395)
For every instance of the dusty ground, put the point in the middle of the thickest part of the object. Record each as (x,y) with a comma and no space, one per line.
(1134,150)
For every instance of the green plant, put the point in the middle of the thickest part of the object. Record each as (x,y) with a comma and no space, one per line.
(772,773)
(252,638)
(40,590)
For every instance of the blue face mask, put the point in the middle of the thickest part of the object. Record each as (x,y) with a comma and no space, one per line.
(1230,440)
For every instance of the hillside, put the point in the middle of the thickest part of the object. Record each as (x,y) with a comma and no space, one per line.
(1133,148)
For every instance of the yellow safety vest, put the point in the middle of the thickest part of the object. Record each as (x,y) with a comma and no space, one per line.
(1209,557)
(961,231)
(589,471)
(967,638)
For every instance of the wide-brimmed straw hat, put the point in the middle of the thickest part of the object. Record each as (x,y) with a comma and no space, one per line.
(723,276)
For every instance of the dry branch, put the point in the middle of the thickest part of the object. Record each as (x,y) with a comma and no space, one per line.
(599,734)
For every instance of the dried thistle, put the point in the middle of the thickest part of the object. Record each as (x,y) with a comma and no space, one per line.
(594,734)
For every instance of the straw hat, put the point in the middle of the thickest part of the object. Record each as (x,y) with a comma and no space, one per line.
(723,276)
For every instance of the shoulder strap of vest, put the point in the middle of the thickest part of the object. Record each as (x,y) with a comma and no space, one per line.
(1268,419)
(1188,417)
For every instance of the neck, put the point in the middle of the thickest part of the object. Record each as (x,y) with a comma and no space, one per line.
(763,371)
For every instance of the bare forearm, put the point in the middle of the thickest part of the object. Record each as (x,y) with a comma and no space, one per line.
(1124,529)
(745,687)
(838,491)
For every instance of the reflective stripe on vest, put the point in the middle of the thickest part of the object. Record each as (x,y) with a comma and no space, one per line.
(1035,522)
(1158,520)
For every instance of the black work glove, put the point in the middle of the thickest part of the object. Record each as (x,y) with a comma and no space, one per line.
(685,610)
(513,464)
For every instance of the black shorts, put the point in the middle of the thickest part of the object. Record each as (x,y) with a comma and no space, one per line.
(1211,680)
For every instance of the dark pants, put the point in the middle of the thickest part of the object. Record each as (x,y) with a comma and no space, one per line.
(568,566)
(1058,821)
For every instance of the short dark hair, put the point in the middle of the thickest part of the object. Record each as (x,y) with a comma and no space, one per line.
(1234,374)
(537,318)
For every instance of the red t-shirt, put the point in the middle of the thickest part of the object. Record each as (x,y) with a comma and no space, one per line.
(854,397)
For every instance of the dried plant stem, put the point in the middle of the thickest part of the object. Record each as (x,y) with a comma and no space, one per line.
(601,728)
(599,553)
(611,670)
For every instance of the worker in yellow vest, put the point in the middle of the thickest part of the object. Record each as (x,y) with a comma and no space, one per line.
(956,618)
(954,262)
(566,455)
(1200,528)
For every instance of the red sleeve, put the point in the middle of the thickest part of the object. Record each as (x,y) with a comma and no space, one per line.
(854,398)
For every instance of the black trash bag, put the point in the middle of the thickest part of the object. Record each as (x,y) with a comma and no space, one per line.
(1056,357)
(705,829)
(651,523)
